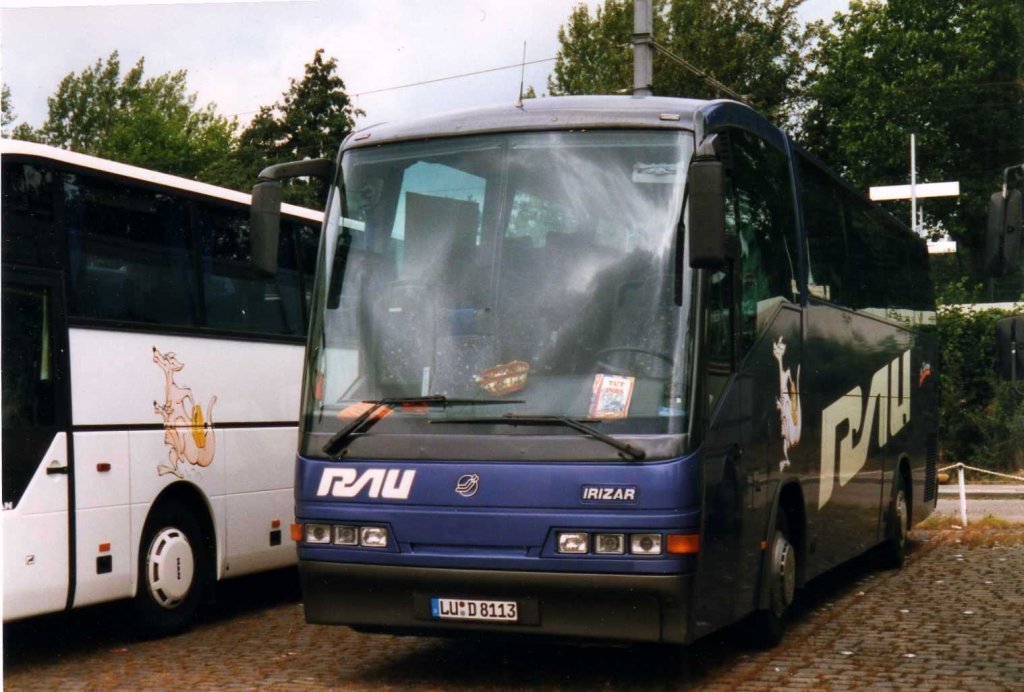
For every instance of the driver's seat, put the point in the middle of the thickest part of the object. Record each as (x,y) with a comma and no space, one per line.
(641,320)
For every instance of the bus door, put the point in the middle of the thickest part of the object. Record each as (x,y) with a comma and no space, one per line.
(36,468)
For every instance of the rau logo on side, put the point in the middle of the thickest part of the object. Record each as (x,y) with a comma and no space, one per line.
(889,395)
(389,484)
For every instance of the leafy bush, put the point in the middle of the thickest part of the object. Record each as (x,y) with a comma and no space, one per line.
(981,418)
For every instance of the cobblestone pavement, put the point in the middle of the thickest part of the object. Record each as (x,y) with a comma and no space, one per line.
(952,619)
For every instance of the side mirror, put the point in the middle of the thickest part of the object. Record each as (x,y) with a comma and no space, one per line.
(265,225)
(265,210)
(707,236)
(1010,346)
(1003,237)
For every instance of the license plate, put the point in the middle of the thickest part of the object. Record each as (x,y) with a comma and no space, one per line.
(467,609)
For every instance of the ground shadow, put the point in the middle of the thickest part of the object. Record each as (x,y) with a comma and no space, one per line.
(37,640)
(489,661)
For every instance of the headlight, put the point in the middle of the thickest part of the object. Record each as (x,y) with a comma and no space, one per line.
(610,543)
(645,543)
(318,533)
(572,542)
(373,537)
(346,535)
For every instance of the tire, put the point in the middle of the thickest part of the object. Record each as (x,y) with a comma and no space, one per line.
(767,626)
(897,526)
(173,572)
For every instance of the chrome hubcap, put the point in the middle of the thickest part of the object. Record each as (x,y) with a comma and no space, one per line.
(901,518)
(784,569)
(170,567)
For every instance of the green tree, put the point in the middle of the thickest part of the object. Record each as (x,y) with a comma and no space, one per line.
(310,121)
(7,114)
(150,122)
(951,71)
(752,46)
(981,417)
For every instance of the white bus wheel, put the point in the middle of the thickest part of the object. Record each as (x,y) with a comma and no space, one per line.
(173,570)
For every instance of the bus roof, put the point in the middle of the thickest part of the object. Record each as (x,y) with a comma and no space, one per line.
(10,147)
(558,112)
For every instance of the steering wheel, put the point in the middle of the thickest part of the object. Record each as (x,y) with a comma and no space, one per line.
(632,352)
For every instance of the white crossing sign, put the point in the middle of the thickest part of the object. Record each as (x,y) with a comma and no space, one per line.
(890,192)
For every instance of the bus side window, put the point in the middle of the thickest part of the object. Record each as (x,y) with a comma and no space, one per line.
(858,256)
(307,240)
(28,215)
(766,227)
(826,220)
(129,253)
(233,298)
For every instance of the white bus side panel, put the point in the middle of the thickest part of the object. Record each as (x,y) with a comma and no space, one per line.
(115,380)
(144,379)
(260,502)
(102,518)
(97,529)
(35,541)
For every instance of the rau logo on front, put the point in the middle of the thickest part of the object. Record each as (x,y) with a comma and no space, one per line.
(389,484)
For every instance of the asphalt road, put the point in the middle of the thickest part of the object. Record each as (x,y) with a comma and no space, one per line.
(1005,506)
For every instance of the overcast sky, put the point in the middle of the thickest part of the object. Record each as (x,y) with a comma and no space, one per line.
(241,55)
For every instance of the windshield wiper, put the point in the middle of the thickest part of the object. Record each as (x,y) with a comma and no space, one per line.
(532,419)
(341,438)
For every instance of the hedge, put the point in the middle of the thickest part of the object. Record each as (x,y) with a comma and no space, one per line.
(981,417)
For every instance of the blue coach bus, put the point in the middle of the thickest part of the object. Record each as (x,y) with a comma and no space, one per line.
(605,368)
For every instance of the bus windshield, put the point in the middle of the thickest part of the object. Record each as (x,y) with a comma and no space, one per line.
(531,269)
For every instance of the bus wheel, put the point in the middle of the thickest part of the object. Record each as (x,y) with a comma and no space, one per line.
(768,625)
(172,572)
(894,550)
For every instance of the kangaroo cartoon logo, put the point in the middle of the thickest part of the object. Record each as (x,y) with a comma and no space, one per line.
(188,435)
(788,404)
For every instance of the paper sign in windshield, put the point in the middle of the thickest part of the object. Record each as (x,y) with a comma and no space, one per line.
(611,397)
(658,173)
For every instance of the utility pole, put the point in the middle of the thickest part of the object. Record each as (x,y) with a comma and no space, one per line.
(913,182)
(643,64)
(914,192)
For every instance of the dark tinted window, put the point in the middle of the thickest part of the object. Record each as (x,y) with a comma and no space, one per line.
(129,253)
(858,256)
(825,222)
(234,297)
(28,215)
(907,272)
(761,213)
(306,237)
(142,256)
(30,383)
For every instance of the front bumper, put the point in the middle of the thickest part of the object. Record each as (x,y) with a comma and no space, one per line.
(610,607)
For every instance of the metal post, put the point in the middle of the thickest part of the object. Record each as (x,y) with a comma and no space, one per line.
(643,64)
(913,183)
(963,495)
(1013,351)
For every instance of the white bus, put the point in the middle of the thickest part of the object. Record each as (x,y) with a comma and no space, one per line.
(150,386)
